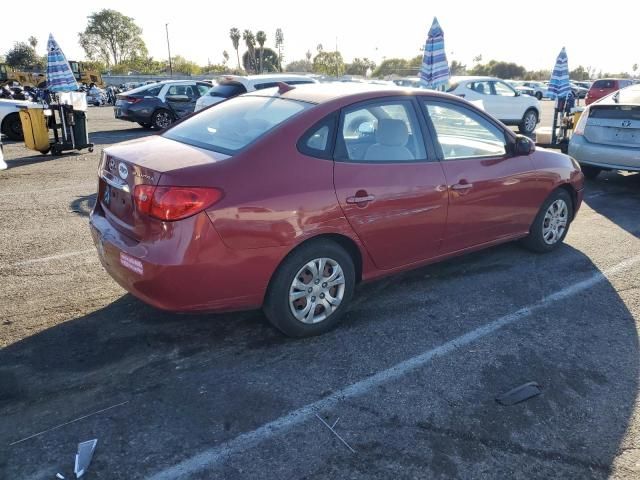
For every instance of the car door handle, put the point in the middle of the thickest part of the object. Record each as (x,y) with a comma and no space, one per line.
(462,186)
(361,199)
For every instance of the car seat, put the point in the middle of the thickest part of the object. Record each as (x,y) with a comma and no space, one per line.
(391,136)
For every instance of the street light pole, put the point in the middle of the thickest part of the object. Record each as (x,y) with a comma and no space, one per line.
(166,26)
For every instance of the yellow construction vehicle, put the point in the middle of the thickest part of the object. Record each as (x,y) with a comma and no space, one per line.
(86,76)
(31,79)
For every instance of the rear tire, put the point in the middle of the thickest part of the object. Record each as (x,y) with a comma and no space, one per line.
(318,299)
(590,172)
(161,119)
(539,95)
(551,224)
(12,127)
(529,122)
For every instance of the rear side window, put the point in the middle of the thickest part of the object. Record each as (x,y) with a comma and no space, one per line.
(604,84)
(154,91)
(227,90)
(318,140)
(232,125)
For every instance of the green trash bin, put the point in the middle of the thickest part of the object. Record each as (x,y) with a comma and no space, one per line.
(80,134)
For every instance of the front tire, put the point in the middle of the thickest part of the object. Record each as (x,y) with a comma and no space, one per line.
(529,122)
(161,119)
(551,224)
(311,289)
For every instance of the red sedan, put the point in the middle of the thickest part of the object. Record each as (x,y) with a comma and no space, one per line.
(286,198)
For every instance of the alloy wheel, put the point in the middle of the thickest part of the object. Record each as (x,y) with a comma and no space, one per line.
(317,290)
(555,222)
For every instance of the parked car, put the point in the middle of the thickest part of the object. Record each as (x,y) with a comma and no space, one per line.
(232,85)
(607,136)
(602,88)
(500,100)
(10,123)
(578,91)
(540,90)
(160,104)
(287,198)
(413,82)
(521,88)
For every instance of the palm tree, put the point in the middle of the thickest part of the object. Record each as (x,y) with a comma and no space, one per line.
(279,46)
(234,34)
(261,38)
(250,41)
(33,41)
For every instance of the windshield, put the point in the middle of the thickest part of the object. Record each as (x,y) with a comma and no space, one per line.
(232,125)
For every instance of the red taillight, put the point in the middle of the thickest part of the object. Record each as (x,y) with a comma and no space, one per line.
(133,99)
(174,203)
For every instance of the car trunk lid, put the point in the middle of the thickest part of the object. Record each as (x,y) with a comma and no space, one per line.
(141,162)
(616,125)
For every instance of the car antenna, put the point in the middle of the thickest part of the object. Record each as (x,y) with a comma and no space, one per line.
(284,87)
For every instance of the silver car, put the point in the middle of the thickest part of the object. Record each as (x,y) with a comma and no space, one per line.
(607,136)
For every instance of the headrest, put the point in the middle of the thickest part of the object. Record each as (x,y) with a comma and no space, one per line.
(392,132)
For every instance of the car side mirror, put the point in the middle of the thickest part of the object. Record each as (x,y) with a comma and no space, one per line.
(524,146)
(178,98)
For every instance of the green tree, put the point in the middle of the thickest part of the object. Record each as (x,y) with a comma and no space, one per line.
(21,56)
(634,68)
(261,38)
(225,56)
(33,41)
(270,59)
(112,37)
(579,73)
(235,36)
(280,46)
(300,66)
(328,63)
(250,41)
(359,66)
(392,66)
(308,55)
(499,69)
(457,68)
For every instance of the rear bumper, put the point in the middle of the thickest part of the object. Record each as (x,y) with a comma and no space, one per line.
(187,270)
(131,115)
(604,156)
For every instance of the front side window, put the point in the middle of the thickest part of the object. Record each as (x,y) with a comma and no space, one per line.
(464,134)
(504,90)
(382,132)
(232,125)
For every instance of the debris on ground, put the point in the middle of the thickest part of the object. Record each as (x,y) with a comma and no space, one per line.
(519,394)
(84,456)
(331,428)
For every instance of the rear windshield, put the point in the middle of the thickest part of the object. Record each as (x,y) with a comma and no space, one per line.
(626,96)
(232,125)
(604,84)
(227,90)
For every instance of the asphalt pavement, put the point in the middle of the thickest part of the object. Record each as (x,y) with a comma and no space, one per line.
(406,387)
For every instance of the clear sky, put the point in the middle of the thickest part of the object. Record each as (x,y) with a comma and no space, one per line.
(530,33)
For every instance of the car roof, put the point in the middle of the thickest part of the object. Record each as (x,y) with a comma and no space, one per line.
(247,80)
(325,92)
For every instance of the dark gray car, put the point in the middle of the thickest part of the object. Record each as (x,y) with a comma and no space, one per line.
(159,105)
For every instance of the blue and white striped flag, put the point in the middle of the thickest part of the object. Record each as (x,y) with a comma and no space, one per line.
(59,75)
(435,68)
(559,82)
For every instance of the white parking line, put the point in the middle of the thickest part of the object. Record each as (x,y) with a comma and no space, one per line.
(246,441)
(52,257)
